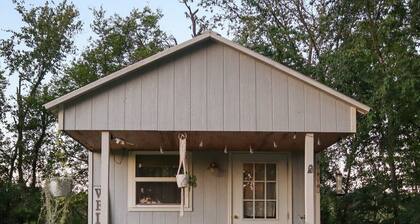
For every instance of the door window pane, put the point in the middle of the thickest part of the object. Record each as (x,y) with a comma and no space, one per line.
(259,171)
(271,190)
(248,190)
(248,172)
(271,172)
(156,165)
(248,209)
(259,190)
(259,210)
(271,209)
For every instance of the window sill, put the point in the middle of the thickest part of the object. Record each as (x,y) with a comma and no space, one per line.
(157,209)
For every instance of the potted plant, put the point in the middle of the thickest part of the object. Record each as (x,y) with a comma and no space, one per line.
(60,186)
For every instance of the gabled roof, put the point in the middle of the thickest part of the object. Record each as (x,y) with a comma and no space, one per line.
(360,107)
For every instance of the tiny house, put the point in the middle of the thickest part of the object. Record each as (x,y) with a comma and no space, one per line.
(251,127)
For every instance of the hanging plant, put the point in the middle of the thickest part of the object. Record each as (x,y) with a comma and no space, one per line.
(192,180)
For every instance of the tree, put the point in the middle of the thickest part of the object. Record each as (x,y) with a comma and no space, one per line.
(32,53)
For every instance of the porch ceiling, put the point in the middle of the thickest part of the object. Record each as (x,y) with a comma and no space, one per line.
(216,141)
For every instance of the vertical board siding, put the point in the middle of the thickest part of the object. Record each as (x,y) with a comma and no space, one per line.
(343,116)
(264,98)
(132,106)
(298,192)
(166,97)
(70,117)
(247,111)
(312,109)
(215,87)
(182,93)
(100,111)
(280,101)
(328,113)
(230,89)
(116,107)
(296,105)
(199,90)
(149,95)
(84,114)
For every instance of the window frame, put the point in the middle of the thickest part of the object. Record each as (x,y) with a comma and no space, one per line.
(132,180)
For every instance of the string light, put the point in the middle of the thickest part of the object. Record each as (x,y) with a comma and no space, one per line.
(201,144)
(161,150)
(226,150)
(251,151)
(294,135)
(318,142)
(275,144)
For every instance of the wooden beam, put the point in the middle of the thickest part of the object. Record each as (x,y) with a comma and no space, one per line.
(309,179)
(105,145)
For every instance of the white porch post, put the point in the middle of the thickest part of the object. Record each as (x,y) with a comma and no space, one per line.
(309,179)
(105,142)
(90,187)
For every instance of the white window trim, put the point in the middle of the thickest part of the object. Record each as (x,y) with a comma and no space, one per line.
(131,191)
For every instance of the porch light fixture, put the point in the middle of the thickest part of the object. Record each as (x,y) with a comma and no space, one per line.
(213,167)
(339,183)
(121,141)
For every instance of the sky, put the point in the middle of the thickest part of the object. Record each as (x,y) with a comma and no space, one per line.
(173,22)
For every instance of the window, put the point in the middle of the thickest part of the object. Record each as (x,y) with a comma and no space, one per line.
(152,183)
(259,191)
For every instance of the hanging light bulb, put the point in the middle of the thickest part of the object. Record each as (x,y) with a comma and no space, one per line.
(275,144)
(161,150)
(225,151)
(318,142)
(251,151)
(201,144)
(294,136)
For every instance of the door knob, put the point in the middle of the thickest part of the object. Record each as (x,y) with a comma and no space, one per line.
(236,217)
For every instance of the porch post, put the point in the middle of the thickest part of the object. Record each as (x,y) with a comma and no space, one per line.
(309,179)
(105,142)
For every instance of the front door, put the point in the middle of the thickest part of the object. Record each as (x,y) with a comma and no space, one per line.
(260,188)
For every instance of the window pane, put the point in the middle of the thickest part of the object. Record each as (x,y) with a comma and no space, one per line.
(248,190)
(271,171)
(259,171)
(149,193)
(156,165)
(271,190)
(271,209)
(248,172)
(248,209)
(259,210)
(259,190)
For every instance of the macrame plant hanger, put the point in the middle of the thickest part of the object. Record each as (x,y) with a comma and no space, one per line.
(182,175)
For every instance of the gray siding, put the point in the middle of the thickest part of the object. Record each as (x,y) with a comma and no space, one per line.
(213,88)
(210,197)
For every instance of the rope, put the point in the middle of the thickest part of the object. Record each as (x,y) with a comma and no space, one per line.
(182,154)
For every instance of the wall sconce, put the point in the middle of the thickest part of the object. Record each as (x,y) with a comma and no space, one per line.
(213,167)
(339,183)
